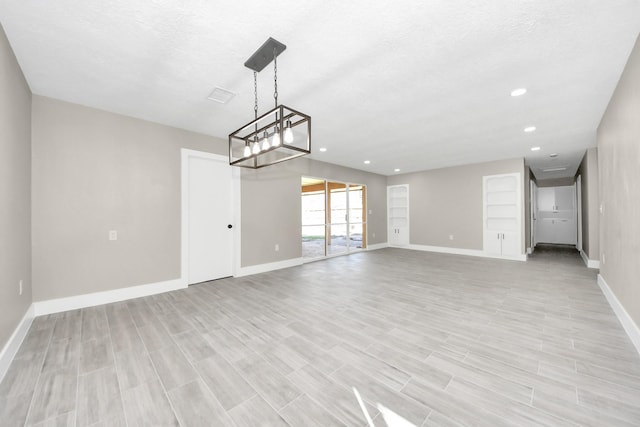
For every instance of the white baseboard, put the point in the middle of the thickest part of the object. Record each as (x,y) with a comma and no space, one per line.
(590,263)
(15,341)
(445,250)
(98,298)
(263,268)
(377,246)
(460,251)
(627,322)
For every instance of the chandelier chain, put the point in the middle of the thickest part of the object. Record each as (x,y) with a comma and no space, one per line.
(255,91)
(275,75)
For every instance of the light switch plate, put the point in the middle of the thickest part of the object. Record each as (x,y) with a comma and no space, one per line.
(113,235)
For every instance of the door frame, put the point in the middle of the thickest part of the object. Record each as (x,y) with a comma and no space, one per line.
(533,213)
(578,189)
(186,155)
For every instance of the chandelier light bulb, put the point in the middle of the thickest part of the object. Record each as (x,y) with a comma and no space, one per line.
(247,151)
(288,133)
(265,142)
(256,148)
(276,138)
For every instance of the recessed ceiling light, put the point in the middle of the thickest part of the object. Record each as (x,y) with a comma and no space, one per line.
(323,149)
(396,170)
(366,162)
(221,95)
(553,155)
(535,148)
(530,129)
(554,169)
(518,92)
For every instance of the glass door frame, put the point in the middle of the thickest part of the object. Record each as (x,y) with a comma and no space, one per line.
(327,225)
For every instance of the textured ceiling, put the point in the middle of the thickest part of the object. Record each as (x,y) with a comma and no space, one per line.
(412,85)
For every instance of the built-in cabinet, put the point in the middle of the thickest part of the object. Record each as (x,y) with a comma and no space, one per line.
(398,215)
(502,215)
(556,217)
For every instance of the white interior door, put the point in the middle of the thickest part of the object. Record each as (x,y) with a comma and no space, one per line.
(210,218)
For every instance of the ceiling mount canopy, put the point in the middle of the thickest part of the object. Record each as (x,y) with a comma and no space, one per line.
(278,135)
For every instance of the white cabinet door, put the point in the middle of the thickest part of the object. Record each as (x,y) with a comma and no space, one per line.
(546,198)
(564,198)
(510,243)
(493,243)
(565,231)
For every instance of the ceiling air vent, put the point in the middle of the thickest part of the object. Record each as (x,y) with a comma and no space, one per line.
(220,95)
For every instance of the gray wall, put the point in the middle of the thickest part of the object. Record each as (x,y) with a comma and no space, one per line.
(95,171)
(449,201)
(15,191)
(619,170)
(555,182)
(271,211)
(590,217)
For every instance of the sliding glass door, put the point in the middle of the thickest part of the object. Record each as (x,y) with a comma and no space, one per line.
(314,228)
(337,236)
(333,217)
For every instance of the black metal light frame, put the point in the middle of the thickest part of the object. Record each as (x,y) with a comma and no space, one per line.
(281,117)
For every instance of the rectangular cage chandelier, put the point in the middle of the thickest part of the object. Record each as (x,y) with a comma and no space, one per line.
(276,136)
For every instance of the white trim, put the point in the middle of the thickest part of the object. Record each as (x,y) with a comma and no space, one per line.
(444,250)
(460,251)
(627,322)
(590,263)
(263,268)
(236,189)
(235,200)
(578,185)
(105,297)
(377,246)
(12,346)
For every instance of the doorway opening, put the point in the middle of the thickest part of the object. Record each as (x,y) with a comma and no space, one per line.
(333,217)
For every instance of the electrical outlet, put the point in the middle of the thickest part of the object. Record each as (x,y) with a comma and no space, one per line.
(370,211)
(277,248)
(113,235)
(373,235)
(20,287)
(450,236)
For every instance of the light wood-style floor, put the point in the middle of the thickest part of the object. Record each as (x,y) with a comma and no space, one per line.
(436,339)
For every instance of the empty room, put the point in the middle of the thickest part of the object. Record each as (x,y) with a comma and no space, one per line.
(320,213)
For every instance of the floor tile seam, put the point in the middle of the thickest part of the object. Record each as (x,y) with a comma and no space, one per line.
(594,377)
(37,383)
(528,383)
(494,390)
(383,386)
(157,376)
(596,392)
(599,412)
(212,395)
(391,364)
(506,410)
(120,390)
(256,389)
